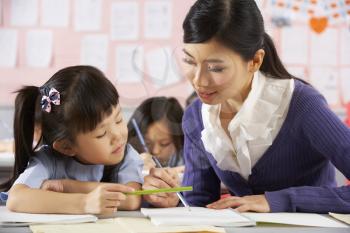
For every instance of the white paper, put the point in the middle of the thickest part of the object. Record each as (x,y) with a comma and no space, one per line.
(24,12)
(294,45)
(87,15)
(94,51)
(162,67)
(125,21)
(298,71)
(325,80)
(129,64)
(181,216)
(8,48)
(13,218)
(158,19)
(324,47)
(39,48)
(55,13)
(345,84)
(345,46)
(301,219)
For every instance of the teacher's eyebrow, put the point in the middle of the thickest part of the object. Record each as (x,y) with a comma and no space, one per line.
(211,60)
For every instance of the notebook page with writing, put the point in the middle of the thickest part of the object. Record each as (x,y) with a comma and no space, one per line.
(181,216)
(8,218)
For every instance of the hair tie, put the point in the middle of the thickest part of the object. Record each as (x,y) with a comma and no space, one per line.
(53,97)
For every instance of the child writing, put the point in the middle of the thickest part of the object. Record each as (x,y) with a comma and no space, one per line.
(84,140)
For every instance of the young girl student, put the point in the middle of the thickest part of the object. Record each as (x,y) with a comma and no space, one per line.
(159,120)
(84,140)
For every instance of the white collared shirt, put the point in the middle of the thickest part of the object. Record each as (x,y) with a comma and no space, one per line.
(253,128)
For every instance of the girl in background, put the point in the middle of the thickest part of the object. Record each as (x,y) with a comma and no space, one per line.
(159,120)
(84,142)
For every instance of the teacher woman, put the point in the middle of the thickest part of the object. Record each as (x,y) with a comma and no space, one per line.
(267,135)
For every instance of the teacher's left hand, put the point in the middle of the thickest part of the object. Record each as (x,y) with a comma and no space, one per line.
(255,203)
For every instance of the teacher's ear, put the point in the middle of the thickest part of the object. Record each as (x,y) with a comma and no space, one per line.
(64,147)
(255,63)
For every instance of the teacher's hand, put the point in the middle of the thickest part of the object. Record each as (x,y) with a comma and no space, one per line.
(255,203)
(161,178)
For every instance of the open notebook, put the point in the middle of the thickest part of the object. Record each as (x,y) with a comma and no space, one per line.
(228,217)
(181,216)
(8,218)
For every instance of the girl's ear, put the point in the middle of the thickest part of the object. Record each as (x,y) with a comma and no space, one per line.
(255,63)
(64,147)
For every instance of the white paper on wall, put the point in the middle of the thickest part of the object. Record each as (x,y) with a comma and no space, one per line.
(325,80)
(158,19)
(24,12)
(294,46)
(345,84)
(129,64)
(39,48)
(55,13)
(125,21)
(94,51)
(324,48)
(162,67)
(8,48)
(87,15)
(345,46)
(298,71)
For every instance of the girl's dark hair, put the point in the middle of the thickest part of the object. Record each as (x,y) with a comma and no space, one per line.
(157,109)
(87,96)
(238,25)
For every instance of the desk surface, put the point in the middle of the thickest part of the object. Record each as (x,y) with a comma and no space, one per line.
(257,229)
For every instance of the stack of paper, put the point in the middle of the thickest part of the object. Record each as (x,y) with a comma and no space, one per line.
(8,218)
(181,216)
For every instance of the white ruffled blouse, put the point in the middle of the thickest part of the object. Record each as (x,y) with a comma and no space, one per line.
(253,128)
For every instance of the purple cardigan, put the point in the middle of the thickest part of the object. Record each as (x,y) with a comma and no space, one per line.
(296,173)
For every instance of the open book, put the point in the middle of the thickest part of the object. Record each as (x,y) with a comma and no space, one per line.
(229,217)
(181,216)
(8,218)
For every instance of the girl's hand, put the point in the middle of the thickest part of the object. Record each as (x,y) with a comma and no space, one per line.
(255,203)
(147,161)
(53,185)
(161,178)
(106,198)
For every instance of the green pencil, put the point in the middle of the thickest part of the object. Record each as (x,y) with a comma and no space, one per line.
(163,190)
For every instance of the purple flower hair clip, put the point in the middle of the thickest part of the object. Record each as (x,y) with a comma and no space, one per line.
(53,97)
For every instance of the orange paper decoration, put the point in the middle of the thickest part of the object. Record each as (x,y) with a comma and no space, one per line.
(318,24)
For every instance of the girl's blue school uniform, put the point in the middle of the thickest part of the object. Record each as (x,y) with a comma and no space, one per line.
(296,173)
(45,165)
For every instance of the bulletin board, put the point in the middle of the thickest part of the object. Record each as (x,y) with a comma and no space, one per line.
(135,43)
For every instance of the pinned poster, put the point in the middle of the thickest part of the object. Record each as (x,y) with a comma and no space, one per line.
(39,48)
(325,80)
(344,46)
(345,84)
(158,19)
(94,51)
(294,51)
(323,48)
(162,67)
(125,21)
(87,15)
(55,13)
(24,12)
(129,64)
(8,47)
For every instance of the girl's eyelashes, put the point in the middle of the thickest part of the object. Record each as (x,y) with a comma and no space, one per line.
(215,69)
(102,135)
(188,61)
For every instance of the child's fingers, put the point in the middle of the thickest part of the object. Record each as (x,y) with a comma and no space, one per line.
(118,188)
(112,204)
(165,176)
(115,196)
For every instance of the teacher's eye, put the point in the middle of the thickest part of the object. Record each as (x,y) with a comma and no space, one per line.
(188,61)
(101,135)
(119,121)
(215,69)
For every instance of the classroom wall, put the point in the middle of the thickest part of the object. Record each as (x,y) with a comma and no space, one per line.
(137,42)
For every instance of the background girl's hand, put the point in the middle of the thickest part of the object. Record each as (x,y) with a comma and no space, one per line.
(148,161)
(255,203)
(105,198)
(53,185)
(161,178)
